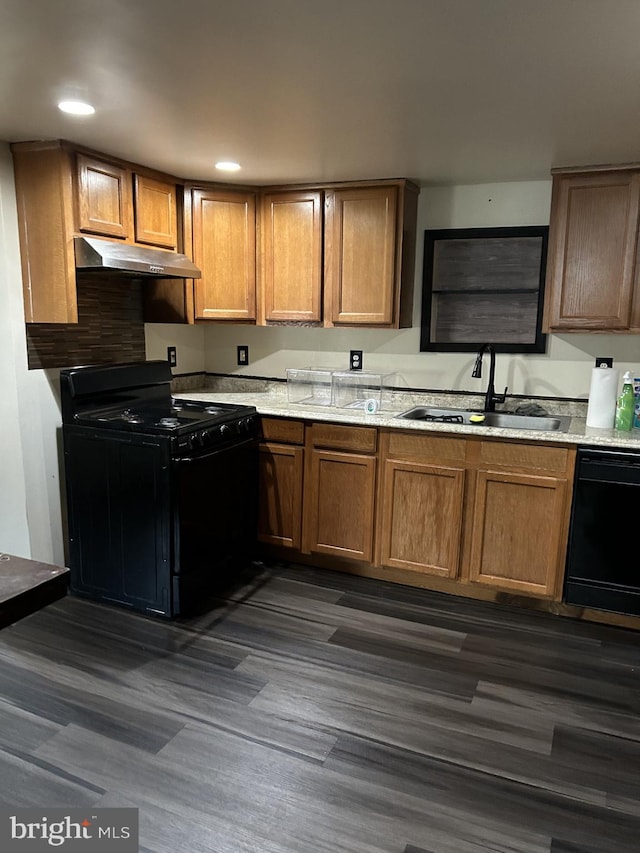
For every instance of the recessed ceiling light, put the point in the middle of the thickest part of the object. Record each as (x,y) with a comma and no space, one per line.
(76,108)
(227,166)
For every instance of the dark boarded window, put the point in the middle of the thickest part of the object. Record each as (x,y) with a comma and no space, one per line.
(483,285)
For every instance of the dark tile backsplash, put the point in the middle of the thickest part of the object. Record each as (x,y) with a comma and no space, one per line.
(110,327)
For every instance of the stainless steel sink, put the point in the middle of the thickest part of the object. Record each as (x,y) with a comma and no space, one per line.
(431,413)
(501,420)
(505,420)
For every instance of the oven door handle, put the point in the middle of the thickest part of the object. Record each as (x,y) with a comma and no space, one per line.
(202,457)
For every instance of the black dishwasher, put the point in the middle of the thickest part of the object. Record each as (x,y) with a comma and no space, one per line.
(603,561)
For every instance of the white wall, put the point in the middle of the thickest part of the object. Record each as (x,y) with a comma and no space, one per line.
(14,531)
(30,514)
(563,371)
(188,341)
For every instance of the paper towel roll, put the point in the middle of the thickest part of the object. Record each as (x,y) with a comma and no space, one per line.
(601,411)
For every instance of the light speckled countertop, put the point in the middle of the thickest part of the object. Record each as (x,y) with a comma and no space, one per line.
(274,402)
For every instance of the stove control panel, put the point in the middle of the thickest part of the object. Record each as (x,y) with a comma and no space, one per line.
(217,435)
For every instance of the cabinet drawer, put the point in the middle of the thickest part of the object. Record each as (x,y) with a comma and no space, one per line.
(280,429)
(363,439)
(516,455)
(406,445)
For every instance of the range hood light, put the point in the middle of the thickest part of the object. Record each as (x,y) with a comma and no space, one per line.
(76,108)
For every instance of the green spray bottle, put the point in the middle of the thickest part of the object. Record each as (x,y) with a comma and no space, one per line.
(625,405)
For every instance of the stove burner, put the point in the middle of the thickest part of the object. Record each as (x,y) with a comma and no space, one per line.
(213,410)
(169,422)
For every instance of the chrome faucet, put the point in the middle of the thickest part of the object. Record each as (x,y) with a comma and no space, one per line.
(490,398)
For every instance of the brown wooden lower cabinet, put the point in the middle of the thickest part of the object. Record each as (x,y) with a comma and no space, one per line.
(339,497)
(281,470)
(280,495)
(422,517)
(518,526)
(470,515)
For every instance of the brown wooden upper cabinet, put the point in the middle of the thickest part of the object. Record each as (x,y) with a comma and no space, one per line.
(223,229)
(117,202)
(156,218)
(339,255)
(369,252)
(334,255)
(291,259)
(592,282)
(62,192)
(104,198)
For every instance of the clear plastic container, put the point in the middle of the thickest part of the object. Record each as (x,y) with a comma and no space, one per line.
(309,386)
(357,389)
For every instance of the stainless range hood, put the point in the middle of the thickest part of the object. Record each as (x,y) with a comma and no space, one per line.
(95,254)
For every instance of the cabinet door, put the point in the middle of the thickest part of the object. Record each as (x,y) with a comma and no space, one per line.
(104,198)
(292,256)
(593,236)
(280,495)
(360,255)
(46,224)
(156,220)
(517,541)
(422,517)
(118,499)
(224,247)
(635,300)
(341,503)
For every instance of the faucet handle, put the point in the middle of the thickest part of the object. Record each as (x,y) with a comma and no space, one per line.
(500,398)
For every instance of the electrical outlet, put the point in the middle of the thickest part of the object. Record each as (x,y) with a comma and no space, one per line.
(355,359)
(243,355)
(172,357)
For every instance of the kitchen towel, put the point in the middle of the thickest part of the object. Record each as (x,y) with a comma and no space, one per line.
(603,392)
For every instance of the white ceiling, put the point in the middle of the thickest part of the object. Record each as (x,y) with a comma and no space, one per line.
(462,91)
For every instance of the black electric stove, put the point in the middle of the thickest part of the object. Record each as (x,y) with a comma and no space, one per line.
(161,493)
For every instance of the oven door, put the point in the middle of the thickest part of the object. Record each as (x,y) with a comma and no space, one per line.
(215,521)
(118,515)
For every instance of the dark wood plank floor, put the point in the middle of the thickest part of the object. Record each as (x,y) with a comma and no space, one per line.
(312,711)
